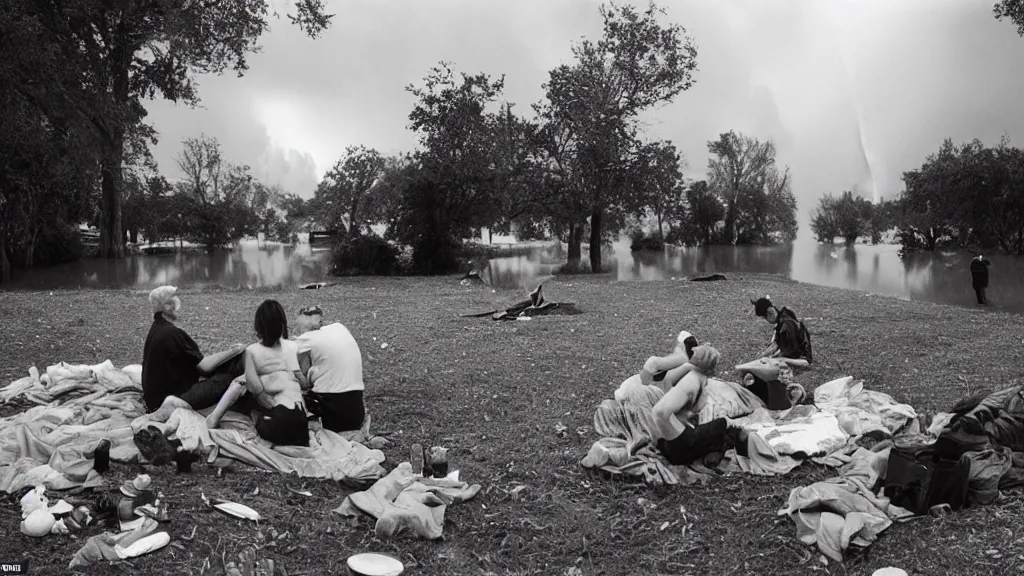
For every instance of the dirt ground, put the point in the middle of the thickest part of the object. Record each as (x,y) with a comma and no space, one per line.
(495,393)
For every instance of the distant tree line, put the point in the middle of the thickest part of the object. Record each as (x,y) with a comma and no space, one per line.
(579,168)
(964,196)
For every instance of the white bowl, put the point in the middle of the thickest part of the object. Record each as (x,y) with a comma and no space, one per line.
(374,565)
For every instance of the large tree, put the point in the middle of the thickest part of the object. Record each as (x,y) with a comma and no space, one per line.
(344,197)
(99,59)
(457,187)
(593,107)
(704,212)
(742,171)
(846,216)
(928,205)
(47,175)
(659,182)
(217,197)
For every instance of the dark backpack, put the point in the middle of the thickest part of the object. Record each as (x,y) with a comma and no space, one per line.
(792,336)
(919,477)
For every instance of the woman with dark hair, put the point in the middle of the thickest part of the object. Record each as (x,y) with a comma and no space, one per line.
(272,378)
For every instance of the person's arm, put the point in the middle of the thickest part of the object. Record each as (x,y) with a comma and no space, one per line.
(676,374)
(770,350)
(657,364)
(303,374)
(252,379)
(666,410)
(210,363)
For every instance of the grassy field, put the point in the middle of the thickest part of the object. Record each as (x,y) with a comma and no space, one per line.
(494,393)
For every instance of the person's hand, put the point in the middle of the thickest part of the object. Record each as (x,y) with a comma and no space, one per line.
(651,366)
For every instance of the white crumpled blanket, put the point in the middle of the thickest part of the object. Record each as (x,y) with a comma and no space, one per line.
(861,411)
(52,444)
(843,511)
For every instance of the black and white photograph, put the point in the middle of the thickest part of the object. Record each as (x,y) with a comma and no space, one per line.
(496,288)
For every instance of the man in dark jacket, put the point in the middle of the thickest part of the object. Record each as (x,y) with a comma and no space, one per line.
(979,277)
(172,364)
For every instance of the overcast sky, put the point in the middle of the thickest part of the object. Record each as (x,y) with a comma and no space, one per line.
(852,92)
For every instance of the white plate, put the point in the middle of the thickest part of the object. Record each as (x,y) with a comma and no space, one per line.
(375,565)
(237,510)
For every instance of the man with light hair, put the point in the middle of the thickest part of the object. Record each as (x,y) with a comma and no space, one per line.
(330,359)
(172,364)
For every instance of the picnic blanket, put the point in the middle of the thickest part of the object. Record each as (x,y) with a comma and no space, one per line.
(402,502)
(78,406)
(627,427)
(844,510)
(777,442)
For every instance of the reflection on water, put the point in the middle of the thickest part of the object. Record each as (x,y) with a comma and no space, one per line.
(244,266)
(936,277)
(941,277)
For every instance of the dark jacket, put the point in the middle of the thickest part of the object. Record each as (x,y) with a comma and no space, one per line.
(979,272)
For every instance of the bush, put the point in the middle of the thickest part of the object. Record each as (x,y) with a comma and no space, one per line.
(640,241)
(55,244)
(364,255)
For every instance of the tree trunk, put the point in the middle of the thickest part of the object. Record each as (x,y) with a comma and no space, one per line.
(595,242)
(575,241)
(353,227)
(134,235)
(5,264)
(729,232)
(661,235)
(30,248)
(111,236)
(490,236)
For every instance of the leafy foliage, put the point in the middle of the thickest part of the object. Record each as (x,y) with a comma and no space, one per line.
(1012,10)
(846,216)
(345,198)
(759,204)
(364,254)
(966,194)
(458,177)
(93,62)
(590,128)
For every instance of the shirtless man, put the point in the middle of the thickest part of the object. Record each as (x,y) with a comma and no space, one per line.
(680,439)
(273,380)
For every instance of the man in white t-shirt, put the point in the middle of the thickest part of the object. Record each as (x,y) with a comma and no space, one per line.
(330,358)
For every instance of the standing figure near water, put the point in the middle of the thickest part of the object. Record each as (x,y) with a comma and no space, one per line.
(979,277)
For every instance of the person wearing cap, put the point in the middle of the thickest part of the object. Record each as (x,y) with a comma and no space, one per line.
(330,358)
(979,277)
(680,439)
(173,365)
(790,338)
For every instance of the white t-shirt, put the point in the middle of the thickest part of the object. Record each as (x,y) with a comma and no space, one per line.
(336,363)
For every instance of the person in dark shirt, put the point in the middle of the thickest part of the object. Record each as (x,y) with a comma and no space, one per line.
(173,365)
(791,338)
(979,277)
